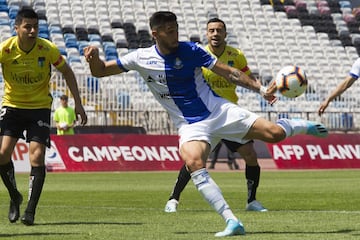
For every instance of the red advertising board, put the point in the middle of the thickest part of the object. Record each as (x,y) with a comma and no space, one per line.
(114,152)
(308,152)
(141,152)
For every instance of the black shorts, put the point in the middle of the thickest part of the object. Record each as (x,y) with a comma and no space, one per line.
(233,146)
(36,123)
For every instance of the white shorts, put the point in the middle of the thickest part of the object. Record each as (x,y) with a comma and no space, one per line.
(229,122)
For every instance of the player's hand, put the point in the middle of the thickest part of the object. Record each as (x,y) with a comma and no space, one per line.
(322,107)
(79,110)
(90,53)
(268,95)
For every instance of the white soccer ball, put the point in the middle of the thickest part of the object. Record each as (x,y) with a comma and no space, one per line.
(63,124)
(291,81)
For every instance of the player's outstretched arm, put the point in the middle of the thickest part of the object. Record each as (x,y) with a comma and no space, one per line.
(241,79)
(345,84)
(98,67)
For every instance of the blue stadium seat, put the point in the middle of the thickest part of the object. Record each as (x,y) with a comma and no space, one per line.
(123,100)
(44,35)
(4,8)
(95,37)
(4,21)
(71,43)
(70,40)
(93,84)
(63,51)
(55,29)
(73,58)
(82,45)
(13,10)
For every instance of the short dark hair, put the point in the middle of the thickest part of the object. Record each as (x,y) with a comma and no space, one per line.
(25,12)
(64,97)
(217,20)
(160,18)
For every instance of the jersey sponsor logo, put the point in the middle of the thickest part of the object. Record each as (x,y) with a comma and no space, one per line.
(151,62)
(26,78)
(231,63)
(220,84)
(165,95)
(43,124)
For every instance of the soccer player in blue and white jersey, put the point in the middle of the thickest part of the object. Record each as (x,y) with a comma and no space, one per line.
(348,81)
(217,46)
(172,71)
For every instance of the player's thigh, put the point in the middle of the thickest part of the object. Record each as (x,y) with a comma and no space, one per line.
(38,129)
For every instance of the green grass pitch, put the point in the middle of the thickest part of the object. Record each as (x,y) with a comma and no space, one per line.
(129,205)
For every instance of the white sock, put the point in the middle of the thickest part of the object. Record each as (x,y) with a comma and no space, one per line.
(212,193)
(293,126)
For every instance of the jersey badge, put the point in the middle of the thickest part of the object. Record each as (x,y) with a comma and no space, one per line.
(41,61)
(178,63)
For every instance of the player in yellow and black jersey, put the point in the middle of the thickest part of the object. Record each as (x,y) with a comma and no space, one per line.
(26,62)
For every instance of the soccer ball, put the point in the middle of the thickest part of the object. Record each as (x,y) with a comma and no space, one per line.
(291,81)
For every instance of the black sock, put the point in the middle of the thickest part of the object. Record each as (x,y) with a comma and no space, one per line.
(183,178)
(252,174)
(8,176)
(36,182)
(215,154)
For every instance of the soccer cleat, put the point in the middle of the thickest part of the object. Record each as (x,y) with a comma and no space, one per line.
(255,206)
(316,129)
(233,228)
(28,218)
(14,210)
(171,206)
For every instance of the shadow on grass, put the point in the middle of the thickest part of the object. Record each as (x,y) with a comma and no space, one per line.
(59,224)
(2,235)
(87,223)
(283,232)
(320,232)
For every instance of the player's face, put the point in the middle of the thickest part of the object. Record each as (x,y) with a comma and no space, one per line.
(28,30)
(216,34)
(167,37)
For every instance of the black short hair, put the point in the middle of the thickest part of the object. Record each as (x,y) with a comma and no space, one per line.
(160,18)
(25,12)
(64,97)
(216,20)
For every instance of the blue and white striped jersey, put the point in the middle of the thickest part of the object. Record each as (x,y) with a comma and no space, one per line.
(176,80)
